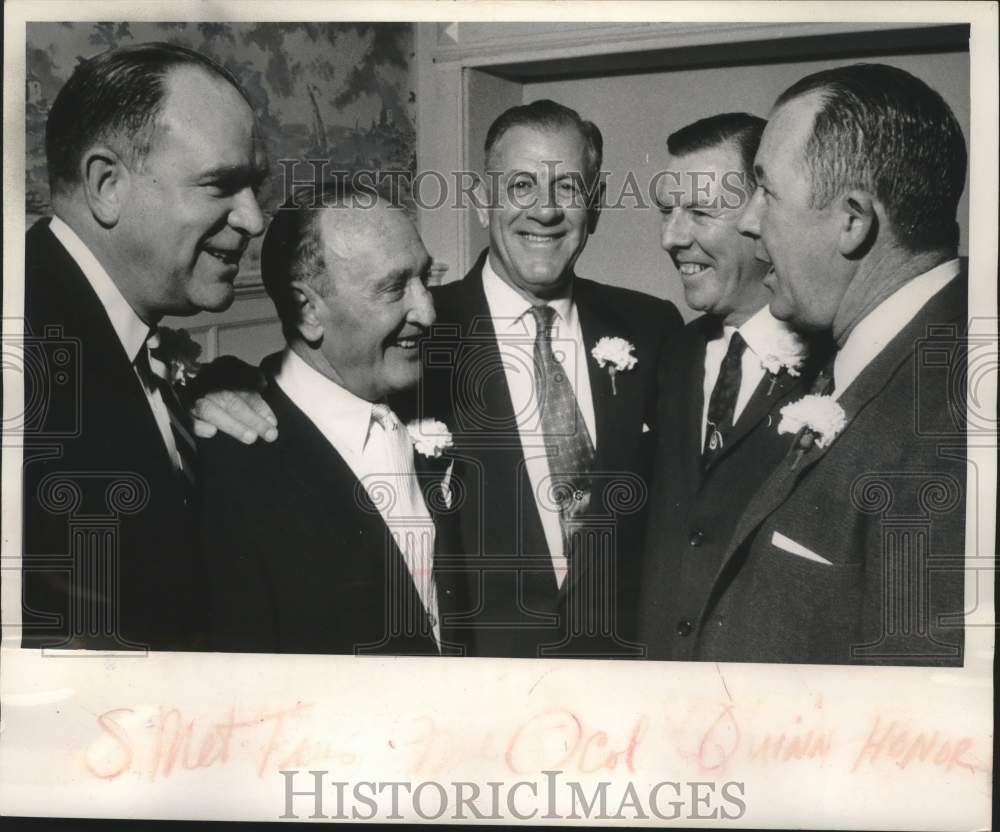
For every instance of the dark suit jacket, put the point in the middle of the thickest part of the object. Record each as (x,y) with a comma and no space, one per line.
(693,509)
(300,559)
(884,504)
(111,557)
(518,608)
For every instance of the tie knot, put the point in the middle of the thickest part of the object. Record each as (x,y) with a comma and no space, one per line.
(382,415)
(544,318)
(737,346)
(150,367)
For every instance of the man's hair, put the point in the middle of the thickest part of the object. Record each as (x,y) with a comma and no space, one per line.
(740,130)
(881,129)
(115,97)
(545,114)
(293,248)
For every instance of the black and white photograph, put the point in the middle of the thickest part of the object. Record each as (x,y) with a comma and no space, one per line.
(509,418)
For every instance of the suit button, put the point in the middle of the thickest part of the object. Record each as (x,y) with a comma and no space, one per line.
(719,621)
(684,627)
(697,536)
(448,591)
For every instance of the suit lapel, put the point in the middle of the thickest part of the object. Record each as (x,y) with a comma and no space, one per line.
(695,400)
(612,408)
(488,428)
(107,370)
(319,469)
(872,380)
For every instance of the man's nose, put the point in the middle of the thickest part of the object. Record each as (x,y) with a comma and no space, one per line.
(749,221)
(246,216)
(676,230)
(421,310)
(546,208)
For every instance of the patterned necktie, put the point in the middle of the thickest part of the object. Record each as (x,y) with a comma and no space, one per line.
(722,404)
(153,374)
(407,516)
(567,441)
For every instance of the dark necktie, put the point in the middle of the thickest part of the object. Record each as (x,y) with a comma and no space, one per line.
(567,441)
(722,404)
(180,422)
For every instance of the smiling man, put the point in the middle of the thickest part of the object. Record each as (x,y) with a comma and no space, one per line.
(558,446)
(721,382)
(322,541)
(154,159)
(852,550)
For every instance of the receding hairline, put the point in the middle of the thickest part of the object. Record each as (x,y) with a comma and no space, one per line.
(339,229)
(546,129)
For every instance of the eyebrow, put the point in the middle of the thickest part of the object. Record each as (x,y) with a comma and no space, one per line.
(253,173)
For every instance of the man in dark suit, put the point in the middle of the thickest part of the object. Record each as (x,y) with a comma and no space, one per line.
(852,550)
(322,541)
(153,158)
(555,437)
(723,378)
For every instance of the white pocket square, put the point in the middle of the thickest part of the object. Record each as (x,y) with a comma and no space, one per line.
(645,428)
(786,544)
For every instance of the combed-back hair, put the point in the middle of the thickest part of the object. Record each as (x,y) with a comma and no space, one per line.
(115,97)
(740,130)
(884,130)
(545,114)
(293,248)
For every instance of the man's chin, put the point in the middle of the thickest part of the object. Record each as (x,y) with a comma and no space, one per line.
(216,301)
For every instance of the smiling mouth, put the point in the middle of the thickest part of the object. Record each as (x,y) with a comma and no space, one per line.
(691,269)
(408,344)
(229,258)
(539,238)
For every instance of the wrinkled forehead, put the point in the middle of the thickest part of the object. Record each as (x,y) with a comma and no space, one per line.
(371,237)
(561,150)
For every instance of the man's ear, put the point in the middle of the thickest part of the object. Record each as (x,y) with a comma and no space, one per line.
(483,196)
(859,221)
(309,309)
(105,180)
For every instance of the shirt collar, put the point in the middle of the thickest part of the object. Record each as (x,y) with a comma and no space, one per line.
(508,307)
(342,417)
(131,330)
(761,330)
(887,320)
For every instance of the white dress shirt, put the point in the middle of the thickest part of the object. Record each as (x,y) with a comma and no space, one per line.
(886,321)
(515,329)
(759,331)
(131,330)
(381,460)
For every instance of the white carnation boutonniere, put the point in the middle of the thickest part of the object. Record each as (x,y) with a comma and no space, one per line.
(817,419)
(616,354)
(787,351)
(178,352)
(430,437)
